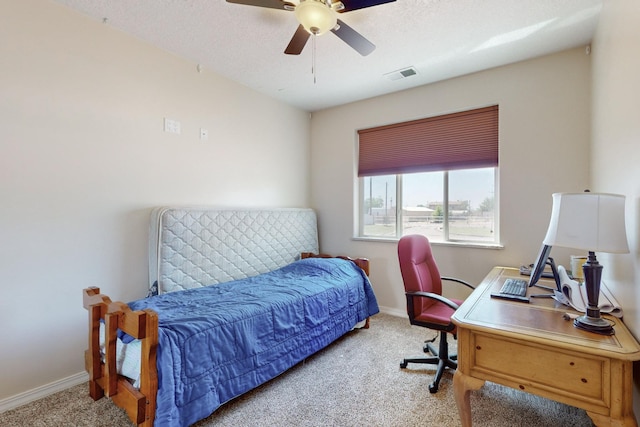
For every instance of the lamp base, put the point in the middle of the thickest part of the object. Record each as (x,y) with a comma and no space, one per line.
(594,324)
(592,321)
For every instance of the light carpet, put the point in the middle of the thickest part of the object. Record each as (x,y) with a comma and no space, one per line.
(356,381)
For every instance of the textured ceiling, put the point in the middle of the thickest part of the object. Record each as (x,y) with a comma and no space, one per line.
(439,38)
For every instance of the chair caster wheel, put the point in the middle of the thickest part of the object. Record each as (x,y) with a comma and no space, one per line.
(403,364)
(433,388)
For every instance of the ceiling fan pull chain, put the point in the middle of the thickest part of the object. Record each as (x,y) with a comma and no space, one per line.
(313,57)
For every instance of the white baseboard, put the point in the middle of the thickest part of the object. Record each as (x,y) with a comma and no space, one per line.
(394,312)
(42,391)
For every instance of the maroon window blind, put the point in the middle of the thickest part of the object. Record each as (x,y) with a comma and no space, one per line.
(462,140)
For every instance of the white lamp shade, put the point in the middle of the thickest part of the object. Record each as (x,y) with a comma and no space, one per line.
(588,221)
(315,16)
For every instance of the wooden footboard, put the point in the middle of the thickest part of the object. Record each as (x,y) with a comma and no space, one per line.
(363,263)
(140,404)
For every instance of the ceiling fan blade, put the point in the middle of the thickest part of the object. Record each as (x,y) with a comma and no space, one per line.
(354,39)
(298,41)
(272,4)
(361,4)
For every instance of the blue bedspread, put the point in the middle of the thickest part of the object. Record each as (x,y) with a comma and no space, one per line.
(218,342)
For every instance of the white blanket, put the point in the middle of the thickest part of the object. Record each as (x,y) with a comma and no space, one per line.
(127,357)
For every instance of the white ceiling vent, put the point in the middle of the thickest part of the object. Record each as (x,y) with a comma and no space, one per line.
(401,74)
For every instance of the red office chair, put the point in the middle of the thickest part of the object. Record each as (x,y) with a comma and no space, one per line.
(425,304)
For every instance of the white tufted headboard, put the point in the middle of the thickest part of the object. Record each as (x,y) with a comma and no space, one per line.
(200,246)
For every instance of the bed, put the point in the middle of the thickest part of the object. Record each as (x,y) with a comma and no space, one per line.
(236,297)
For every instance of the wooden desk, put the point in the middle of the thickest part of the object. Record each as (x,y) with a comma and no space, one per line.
(531,348)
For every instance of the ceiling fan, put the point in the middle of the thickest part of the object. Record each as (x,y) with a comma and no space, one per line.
(316,17)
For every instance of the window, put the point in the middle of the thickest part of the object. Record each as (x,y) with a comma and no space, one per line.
(468,193)
(434,177)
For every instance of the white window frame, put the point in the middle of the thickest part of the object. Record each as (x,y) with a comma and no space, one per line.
(446,240)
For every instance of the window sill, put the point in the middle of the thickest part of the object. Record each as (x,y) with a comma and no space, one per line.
(474,245)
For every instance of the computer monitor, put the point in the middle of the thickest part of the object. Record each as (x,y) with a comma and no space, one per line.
(539,266)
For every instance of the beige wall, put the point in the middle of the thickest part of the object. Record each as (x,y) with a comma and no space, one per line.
(83,159)
(544,148)
(616,145)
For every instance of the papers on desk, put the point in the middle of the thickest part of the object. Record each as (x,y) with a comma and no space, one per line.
(575,295)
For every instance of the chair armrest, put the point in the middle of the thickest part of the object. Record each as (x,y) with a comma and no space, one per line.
(453,279)
(431,295)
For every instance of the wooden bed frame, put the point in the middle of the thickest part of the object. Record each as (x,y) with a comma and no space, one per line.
(139,404)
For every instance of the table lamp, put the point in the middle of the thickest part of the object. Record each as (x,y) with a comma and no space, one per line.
(593,222)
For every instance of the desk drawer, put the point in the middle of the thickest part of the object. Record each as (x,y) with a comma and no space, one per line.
(532,366)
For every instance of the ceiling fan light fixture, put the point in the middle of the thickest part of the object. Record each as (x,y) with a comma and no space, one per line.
(315,16)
